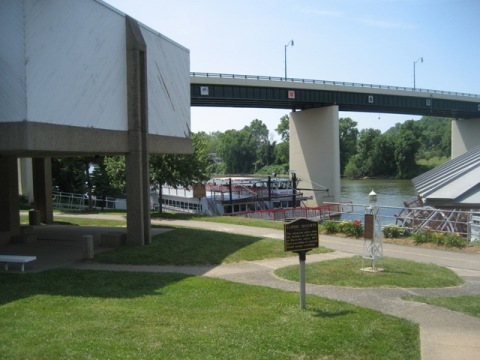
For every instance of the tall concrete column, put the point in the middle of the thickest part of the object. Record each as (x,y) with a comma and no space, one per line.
(42,188)
(315,152)
(138,199)
(465,135)
(9,204)
(25,178)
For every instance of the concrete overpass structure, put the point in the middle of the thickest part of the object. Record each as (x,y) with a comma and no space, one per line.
(314,106)
(80,78)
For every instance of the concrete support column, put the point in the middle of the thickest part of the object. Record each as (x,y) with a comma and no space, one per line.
(25,178)
(137,172)
(9,204)
(315,152)
(42,188)
(465,135)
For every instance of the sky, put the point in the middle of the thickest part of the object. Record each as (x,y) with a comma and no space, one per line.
(361,41)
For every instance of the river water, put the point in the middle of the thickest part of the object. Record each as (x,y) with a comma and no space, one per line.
(391,195)
(389,192)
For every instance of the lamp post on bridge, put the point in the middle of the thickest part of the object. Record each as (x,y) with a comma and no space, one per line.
(414,63)
(289,43)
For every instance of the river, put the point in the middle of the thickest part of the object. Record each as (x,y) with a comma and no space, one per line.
(390,192)
(391,195)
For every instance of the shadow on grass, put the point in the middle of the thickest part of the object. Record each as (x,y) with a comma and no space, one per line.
(331,314)
(84,283)
(184,246)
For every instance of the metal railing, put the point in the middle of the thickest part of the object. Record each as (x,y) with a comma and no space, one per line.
(417,219)
(327,82)
(71,201)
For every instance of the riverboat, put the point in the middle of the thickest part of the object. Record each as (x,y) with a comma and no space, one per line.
(234,195)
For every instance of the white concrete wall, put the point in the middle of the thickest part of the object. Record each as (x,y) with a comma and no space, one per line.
(465,135)
(315,152)
(168,69)
(64,63)
(13,101)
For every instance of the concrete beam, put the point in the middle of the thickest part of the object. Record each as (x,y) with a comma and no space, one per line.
(137,172)
(42,188)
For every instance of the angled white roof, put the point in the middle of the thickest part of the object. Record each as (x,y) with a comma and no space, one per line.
(456,181)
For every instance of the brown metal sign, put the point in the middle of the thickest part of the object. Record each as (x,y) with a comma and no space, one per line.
(368,231)
(300,235)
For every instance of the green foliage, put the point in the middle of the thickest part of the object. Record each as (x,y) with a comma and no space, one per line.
(351,228)
(184,170)
(439,238)
(283,129)
(115,168)
(396,152)
(71,174)
(348,141)
(330,227)
(394,231)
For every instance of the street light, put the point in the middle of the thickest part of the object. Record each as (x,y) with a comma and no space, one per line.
(414,63)
(289,43)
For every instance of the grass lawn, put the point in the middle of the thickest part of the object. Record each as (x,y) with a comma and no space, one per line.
(398,273)
(466,304)
(183,246)
(74,314)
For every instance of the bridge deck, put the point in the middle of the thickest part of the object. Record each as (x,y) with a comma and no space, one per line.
(223,90)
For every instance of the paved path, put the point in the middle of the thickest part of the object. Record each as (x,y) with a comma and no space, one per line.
(444,334)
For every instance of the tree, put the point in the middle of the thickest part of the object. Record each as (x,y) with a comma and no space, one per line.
(348,141)
(181,170)
(115,169)
(366,145)
(101,181)
(406,146)
(283,129)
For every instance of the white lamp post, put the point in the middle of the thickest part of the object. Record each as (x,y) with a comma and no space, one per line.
(289,43)
(414,63)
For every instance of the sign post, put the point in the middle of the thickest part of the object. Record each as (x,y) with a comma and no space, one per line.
(301,236)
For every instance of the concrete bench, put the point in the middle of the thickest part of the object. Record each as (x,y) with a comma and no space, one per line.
(19,259)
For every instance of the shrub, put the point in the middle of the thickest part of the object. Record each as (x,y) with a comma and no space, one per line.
(454,240)
(394,231)
(438,238)
(330,227)
(421,237)
(351,228)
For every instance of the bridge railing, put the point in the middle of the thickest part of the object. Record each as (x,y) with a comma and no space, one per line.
(326,82)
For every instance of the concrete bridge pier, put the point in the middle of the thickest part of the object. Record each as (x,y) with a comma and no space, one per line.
(465,135)
(315,152)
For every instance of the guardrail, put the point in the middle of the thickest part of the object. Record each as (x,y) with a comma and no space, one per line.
(327,82)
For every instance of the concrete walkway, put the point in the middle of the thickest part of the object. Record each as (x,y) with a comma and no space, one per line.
(444,334)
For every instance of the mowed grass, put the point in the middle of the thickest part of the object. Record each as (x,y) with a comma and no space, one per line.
(466,304)
(183,246)
(397,273)
(74,314)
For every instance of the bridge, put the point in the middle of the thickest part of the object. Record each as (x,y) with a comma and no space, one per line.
(314,105)
(230,90)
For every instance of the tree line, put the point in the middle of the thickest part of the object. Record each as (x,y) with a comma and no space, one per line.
(363,153)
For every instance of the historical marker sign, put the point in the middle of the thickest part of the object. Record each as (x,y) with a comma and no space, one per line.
(368,232)
(301,235)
